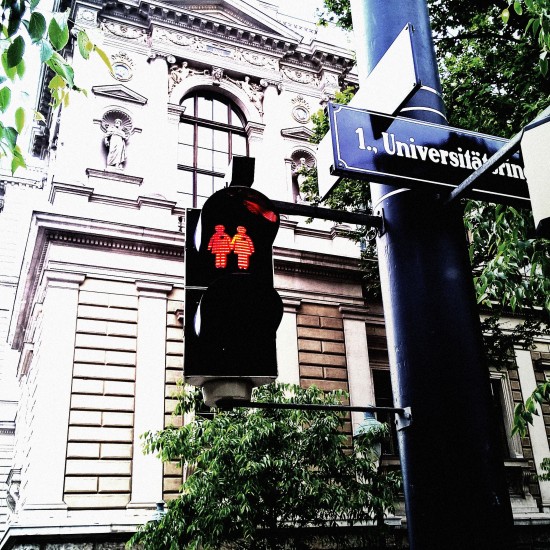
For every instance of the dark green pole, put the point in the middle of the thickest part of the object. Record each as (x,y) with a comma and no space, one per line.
(454,483)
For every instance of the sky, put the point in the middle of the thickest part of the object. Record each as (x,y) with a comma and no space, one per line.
(304,9)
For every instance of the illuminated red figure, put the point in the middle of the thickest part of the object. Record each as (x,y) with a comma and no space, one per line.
(243,246)
(220,244)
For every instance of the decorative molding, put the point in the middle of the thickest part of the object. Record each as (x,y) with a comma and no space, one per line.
(312,264)
(120,92)
(123,66)
(125,245)
(299,133)
(127,32)
(302,77)
(114,176)
(301,112)
(150,289)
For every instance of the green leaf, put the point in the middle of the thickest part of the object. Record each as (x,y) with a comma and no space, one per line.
(84,44)
(19,119)
(10,135)
(58,33)
(17,161)
(11,72)
(21,68)
(505,15)
(37,26)
(16,15)
(34,4)
(5,98)
(104,57)
(59,66)
(15,52)
(39,117)
(46,51)
(518,8)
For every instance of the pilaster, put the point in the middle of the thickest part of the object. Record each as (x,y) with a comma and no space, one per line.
(360,382)
(48,442)
(287,343)
(149,392)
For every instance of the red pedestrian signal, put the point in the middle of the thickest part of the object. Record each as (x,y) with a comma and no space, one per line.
(232,310)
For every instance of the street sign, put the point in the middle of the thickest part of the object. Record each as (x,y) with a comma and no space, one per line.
(394,79)
(418,155)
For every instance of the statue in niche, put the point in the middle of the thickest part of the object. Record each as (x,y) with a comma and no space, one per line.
(115,140)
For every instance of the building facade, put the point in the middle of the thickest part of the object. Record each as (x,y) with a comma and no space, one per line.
(92,273)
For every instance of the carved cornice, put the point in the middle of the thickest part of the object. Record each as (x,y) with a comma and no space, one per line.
(312,264)
(123,245)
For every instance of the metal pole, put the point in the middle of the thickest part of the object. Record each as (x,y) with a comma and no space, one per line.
(455,490)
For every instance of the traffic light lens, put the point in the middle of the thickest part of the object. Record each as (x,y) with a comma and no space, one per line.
(256,208)
(221,245)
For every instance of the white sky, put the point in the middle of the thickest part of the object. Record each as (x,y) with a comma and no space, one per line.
(304,9)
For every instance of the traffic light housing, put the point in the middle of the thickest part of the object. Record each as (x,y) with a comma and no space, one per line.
(232,310)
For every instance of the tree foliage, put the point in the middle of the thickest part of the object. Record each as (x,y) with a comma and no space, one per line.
(492,84)
(24,23)
(257,471)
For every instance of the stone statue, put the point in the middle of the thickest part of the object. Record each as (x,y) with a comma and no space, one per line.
(115,140)
(254,93)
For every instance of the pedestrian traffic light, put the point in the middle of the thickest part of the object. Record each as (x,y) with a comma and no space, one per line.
(232,310)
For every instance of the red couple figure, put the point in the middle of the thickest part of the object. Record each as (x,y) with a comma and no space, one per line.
(221,245)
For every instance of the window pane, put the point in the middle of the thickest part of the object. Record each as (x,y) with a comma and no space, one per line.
(239,145)
(221,161)
(205,108)
(205,185)
(221,112)
(189,104)
(205,137)
(221,140)
(186,182)
(185,155)
(236,119)
(204,159)
(185,134)
(218,183)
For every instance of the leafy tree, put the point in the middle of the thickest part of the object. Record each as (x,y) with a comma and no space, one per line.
(256,472)
(491,83)
(23,22)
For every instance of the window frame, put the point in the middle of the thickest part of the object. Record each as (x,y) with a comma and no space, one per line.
(231,130)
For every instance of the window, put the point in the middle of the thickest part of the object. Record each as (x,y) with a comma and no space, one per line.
(211,131)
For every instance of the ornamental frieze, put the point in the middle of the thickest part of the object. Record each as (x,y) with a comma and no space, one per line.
(221,50)
(302,77)
(124,31)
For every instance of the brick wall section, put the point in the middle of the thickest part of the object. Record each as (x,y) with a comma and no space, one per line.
(99,450)
(174,374)
(321,347)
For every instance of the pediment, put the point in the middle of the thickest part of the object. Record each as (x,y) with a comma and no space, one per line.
(300,133)
(251,15)
(120,92)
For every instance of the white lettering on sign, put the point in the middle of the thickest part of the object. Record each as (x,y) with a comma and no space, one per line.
(468,159)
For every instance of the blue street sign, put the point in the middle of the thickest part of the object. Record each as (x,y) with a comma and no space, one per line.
(420,155)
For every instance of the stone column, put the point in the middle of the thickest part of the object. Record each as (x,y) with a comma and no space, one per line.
(51,377)
(361,387)
(287,344)
(537,431)
(149,394)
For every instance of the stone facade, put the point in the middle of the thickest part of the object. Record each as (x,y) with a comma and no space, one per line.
(92,270)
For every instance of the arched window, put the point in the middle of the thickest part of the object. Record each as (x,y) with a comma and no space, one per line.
(211,131)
